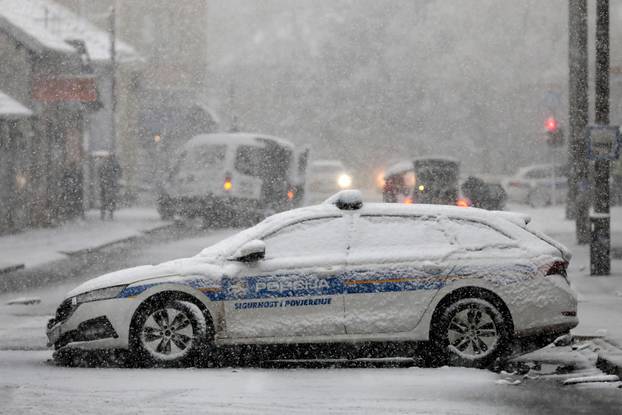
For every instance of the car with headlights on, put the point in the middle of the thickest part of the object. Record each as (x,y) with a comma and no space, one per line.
(325,177)
(471,284)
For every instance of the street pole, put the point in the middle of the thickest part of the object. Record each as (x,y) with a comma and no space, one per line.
(600,261)
(113,79)
(577,207)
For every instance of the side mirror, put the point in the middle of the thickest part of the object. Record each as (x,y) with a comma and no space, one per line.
(251,251)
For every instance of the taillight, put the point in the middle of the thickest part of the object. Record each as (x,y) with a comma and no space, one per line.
(227,185)
(408,201)
(558,268)
(463,202)
(290,195)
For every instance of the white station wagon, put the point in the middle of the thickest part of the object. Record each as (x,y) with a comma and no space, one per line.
(472,283)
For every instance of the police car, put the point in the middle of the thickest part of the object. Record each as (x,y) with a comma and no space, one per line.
(472,283)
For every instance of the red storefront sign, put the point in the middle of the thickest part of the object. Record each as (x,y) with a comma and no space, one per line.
(74,89)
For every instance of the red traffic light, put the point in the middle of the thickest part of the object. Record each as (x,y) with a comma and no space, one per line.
(551,124)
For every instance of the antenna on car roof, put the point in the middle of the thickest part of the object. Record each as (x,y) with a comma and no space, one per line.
(346,200)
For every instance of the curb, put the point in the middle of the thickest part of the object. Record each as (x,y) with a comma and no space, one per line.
(119,241)
(609,356)
(21,277)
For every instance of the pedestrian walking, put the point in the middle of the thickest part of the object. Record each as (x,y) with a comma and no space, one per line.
(109,175)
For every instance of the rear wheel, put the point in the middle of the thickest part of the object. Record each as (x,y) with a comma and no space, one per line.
(471,332)
(168,333)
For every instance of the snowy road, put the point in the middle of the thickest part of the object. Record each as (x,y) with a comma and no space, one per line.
(29,383)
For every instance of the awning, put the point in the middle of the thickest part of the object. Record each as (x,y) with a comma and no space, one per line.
(10,109)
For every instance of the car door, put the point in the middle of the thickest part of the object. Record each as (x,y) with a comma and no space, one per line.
(394,268)
(295,291)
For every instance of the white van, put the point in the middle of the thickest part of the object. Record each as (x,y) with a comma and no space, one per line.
(221,177)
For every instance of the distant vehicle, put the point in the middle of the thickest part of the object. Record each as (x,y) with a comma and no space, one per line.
(475,284)
(223,177)
(436,181)
(399,182)
(484,192)
(325,177)
(538,185)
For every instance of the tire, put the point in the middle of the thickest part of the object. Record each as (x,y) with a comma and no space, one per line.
(168,333)
(471,332)
(539,197)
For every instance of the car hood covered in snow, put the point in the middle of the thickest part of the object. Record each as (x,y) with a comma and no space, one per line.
(178,267)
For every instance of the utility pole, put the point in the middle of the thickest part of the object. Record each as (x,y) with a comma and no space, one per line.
(578,203)
(113,78)
(600,261)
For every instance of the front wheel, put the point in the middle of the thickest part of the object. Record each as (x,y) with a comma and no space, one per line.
(169,333)
(471,332)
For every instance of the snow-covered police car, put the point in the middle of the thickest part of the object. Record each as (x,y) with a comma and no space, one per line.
(469,281)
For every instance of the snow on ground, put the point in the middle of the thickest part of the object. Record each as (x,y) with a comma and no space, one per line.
(29,384)
(36,247)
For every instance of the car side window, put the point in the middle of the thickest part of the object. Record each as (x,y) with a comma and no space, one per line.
(377,234)
(476,235)
(539,173)
(309,238)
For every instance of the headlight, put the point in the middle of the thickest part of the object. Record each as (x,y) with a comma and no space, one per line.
(100,294)
(344,181)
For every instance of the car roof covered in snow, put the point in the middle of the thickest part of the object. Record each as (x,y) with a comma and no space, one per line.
(235,139)
(274,222)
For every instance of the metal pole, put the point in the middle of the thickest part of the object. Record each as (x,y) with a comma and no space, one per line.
(600,261)
(578,191)
(113,79)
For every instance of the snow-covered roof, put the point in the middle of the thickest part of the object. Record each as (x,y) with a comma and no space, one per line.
(399,167)
(235,139)
(45,25)
(11,109)
(328,163)
(437,158)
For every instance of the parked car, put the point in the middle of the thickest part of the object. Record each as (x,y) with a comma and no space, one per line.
(484,191)
(222,177)
(325,177)
(472,283)
(538,185)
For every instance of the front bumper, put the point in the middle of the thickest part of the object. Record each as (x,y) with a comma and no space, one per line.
(93,325)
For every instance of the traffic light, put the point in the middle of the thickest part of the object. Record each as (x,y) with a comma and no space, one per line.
(551,125)
(554,133)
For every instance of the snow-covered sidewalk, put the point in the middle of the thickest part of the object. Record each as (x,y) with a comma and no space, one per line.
(37,247)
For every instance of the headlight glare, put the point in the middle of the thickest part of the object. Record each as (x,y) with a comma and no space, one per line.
(344,181)
(100,294)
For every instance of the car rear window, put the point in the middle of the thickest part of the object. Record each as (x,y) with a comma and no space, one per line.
(249,160)
(476,235)
(203,158)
